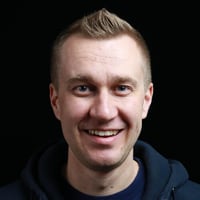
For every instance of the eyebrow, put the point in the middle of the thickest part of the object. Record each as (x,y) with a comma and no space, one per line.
(80,78)
(114,79)
(119,79)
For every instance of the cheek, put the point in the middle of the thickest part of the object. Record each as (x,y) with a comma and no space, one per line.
(72,113)
(73,109)
(132,113)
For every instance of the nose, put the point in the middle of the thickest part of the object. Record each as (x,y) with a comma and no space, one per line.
(104,107)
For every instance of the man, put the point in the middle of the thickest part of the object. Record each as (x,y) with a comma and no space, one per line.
(101,89)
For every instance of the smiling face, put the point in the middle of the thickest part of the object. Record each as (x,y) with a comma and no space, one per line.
(101,99)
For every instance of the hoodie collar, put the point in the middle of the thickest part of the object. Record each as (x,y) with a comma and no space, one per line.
(163,176)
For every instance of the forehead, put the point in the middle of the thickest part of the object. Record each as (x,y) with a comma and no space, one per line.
(117,55)
(120,47)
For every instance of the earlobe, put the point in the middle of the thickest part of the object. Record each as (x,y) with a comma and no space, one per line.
(54,100)
(147,100)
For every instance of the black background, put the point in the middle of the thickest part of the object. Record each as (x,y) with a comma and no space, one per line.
(28,29)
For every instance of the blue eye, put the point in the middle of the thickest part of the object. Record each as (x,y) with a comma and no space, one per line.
(82,88)
(123,90)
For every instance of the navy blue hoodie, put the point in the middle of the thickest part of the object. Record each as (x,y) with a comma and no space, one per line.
(165,179)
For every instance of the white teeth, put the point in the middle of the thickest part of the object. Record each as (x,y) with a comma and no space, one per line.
(103,133)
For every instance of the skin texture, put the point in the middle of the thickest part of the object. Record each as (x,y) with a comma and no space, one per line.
(101,91)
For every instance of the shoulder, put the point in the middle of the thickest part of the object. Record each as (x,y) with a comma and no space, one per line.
(189,190)
(13,191)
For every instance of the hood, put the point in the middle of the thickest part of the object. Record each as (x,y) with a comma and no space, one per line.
(163,176)
(44,165)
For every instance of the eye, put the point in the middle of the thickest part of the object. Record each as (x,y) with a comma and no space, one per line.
(83,90)
(123,90)
(122,87)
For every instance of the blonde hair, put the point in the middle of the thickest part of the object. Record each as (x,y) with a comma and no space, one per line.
(100,24)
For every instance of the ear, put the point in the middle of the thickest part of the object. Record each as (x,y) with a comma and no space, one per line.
(147,100)
(54,100)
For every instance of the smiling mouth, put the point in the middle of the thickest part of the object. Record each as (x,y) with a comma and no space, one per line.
(101,133)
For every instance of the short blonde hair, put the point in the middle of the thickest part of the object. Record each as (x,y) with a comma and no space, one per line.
(100,24)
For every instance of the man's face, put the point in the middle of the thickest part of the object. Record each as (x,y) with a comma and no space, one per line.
(101,99)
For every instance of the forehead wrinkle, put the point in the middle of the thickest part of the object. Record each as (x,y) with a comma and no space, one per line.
(100,59)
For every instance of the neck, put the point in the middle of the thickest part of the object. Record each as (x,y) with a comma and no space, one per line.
(98,183)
